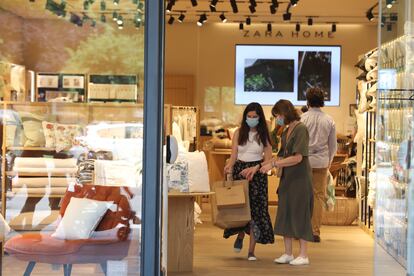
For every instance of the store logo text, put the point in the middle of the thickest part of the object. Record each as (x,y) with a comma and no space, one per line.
(279,34)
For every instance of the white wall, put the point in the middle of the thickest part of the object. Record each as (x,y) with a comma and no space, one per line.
(208,54)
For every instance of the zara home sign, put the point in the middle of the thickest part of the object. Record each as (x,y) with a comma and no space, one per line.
(292,34)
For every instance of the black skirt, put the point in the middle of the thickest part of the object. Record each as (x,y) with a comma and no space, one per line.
(260,223)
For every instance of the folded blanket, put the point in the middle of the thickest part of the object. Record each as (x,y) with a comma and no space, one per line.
(40,191)
(41,220)
(29,162)
(41,182)
(118,173)
(46,170)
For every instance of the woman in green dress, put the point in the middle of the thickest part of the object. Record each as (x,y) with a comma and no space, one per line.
(293,220)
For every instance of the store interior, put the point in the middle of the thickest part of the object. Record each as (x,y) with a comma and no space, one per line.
(72,91)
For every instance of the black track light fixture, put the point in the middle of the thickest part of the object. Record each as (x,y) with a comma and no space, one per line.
(389,3)
(287,16)
(103,5)
(253,3)
(181,18)
(171,20)
(241,26)
(170,6)
(114,16)
(310,21)
(223,18)
(116,2)
(333,29)
(294,3)
(194,3)
(269,27)
(202,20)
(248,21)
(297,28)
(393,17)
(370,15)
(252,9)
(213,3)
(212,9)
(120,20)
(383,21)
(137,25)
(273,9)
(275,4)
(389,27)
(234,6)
(103,18)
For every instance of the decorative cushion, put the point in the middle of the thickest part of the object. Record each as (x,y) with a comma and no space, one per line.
(65,136)
(49,132)
(177,177)
(33,130)
(81,218)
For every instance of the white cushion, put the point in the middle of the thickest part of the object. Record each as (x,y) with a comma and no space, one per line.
(198,178)
(81,217)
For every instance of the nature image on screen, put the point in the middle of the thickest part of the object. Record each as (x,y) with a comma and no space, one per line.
(269,75)
(314,70)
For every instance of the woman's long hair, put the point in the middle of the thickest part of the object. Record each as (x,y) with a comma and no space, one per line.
(262,131)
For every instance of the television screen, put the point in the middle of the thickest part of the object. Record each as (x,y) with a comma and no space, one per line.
(268,73)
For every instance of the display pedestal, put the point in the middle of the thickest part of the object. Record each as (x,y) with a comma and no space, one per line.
(181,231)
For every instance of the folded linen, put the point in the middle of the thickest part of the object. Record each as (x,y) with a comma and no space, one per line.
(40,191)
(30,162)
(41,182)
(46,170)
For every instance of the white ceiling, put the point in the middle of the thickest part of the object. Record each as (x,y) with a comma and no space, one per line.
(323,11)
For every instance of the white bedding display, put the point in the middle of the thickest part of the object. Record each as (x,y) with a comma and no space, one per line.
(29,162)
(46,170)
(198,178)
(41,182)
(118,173)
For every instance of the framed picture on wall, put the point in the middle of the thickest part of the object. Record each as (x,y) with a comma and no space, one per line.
(352,108)
(73,82)
(47,81)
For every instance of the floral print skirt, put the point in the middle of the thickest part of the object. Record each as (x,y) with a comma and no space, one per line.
(260,223)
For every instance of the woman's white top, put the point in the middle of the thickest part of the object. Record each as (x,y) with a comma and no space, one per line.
(252,150)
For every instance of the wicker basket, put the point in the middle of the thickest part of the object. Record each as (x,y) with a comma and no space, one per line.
(345,212)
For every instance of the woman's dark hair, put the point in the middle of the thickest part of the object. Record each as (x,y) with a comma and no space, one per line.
(315,97)
(304,109)
(262,131)
(287,110)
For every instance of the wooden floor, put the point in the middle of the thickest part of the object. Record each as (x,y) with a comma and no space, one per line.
(343,251)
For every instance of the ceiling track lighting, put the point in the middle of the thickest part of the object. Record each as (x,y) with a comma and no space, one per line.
(370,13)
(241,26)
(140,7)
(120,20)
(213,3)
(170,6)
(103,18)
(383,21)
(171,20)
(393,17)
(273,9)
(333,29)
(269,27)
(194,3)
(310,21)
(202,20)
(116,2)
(181,18)
(252,9)
(212,9)
(103,5)
(294,3)
(389,3)
(288,15)
(275,3)
(389,27)
(223,18)
(114,16)
(253,3)
(248,21)
(234,6)
(121,26)
(137,25)
(297,28)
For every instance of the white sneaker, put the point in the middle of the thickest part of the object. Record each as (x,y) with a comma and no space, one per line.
(284,259)
(300,261)
(251,257)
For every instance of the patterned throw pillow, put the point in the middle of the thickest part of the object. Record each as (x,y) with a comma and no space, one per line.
(177,177)
(49,132)
(65,136)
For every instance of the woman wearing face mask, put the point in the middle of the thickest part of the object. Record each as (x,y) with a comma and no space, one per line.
(251,147)
(293,220)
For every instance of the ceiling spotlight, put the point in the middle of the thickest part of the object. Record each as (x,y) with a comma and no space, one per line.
(241,26)
(181,18)
(269,27)
(103,5)
(383,21)
(121,26)
(275,3)
(194,3)
(140,7)
(294,3)
(137,25)
(202,20)
(213,3)
(170,6)
(171,20)
(389,27)
(120,20)
(389,3)
(103,18)
(252,9)
(116,2)
(223,18)
(370,15)
(393,17)
(333,29)
(248,21)
(273,9)
(253,3)
(114,16)
(212,9)
(310,21)
(287,16)
(297,27)
(234,6)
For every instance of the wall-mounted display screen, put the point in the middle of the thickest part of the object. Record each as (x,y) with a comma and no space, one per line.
(268,73)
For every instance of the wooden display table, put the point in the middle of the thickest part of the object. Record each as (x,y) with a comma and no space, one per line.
(181,230)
